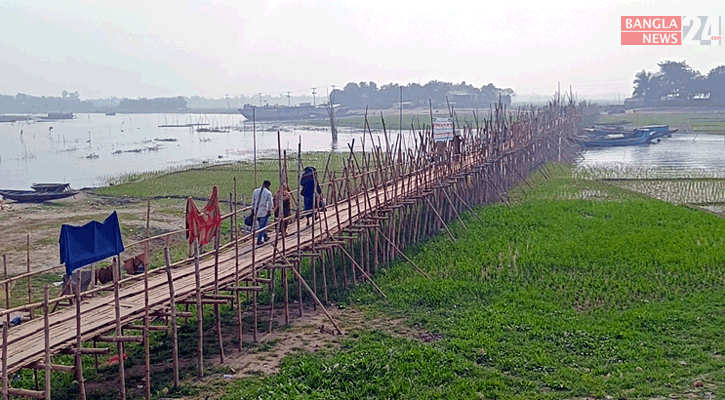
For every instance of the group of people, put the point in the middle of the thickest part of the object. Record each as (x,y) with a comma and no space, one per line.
(264,203)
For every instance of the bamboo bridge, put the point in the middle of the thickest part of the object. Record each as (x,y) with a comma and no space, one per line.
(386,198)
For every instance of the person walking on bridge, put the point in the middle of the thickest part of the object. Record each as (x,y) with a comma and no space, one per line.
(311,191)
(262,208)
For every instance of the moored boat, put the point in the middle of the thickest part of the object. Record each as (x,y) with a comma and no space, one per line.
(287,113)
(58,115)
(41,192)
(638,137)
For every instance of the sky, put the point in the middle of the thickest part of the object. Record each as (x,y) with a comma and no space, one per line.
(157,48)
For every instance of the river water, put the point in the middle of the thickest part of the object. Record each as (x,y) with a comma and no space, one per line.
(33,152)
(690,153)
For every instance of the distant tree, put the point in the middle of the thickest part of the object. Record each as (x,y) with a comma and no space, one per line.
(716,82)
(643,85)
(361,95)
(676,79)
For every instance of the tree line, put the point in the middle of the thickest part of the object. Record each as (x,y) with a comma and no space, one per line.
(440,94)
(22,103)
(70,102)
(676,83)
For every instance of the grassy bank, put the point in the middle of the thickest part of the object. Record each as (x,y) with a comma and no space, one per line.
(197,181)
(418,119)
(612,294)
(701,122)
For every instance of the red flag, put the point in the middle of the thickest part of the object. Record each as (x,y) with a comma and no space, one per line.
(205,224)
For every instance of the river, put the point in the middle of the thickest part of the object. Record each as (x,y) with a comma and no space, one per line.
(58,151)
(695,153)
(33,152)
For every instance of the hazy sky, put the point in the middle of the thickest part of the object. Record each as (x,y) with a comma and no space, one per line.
(152,48)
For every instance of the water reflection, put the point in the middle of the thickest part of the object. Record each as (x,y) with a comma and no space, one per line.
(130,143)
(705,153)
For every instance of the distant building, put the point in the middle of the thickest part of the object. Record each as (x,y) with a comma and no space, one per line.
(634,102)
(461,98)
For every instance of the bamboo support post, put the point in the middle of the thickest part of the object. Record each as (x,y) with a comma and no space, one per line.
(403,254)
(217,314)
(440,219)
(119,331)
(453,208)
(319,303)
(79,342)
(7,285)
(356,265)
(6,384)
(199,314)
(46,321)
(174,334)
(27,264)
(147,318)
(236,273)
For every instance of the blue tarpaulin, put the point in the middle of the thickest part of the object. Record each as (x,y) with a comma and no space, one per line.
(94,241)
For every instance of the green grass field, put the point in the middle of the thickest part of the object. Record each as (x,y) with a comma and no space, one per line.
(392,120)
(701,122)
(551,298)
(197,181)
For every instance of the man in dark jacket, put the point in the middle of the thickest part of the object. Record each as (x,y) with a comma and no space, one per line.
(310,185)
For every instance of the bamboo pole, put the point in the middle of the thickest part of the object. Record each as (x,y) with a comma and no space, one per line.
(236,271)
(199,314)
(174,337)
(119,332)
(6,383)
(216,306)
(79,342)
(317,300)
(271,300)
(440,219)
(299,216)
(362,272)
(27,258)
(455,211)
(7,284)
(46,319)
(147,319)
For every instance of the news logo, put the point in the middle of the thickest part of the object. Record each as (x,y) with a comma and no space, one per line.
(671,30)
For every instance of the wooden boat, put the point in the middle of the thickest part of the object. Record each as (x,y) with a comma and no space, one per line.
(57,115)
(41,192)
(640,136)
(604,130)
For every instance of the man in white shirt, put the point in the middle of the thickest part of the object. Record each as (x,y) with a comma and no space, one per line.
(262,205)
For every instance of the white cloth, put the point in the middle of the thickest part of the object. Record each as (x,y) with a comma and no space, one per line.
(262,204)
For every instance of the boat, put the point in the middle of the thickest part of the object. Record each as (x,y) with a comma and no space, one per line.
(282,113)
(639,137)
(600,132)
(58,115)
(213,130)
(50,187)
(110,113)
(41,192)
(166,139)
(13,118)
